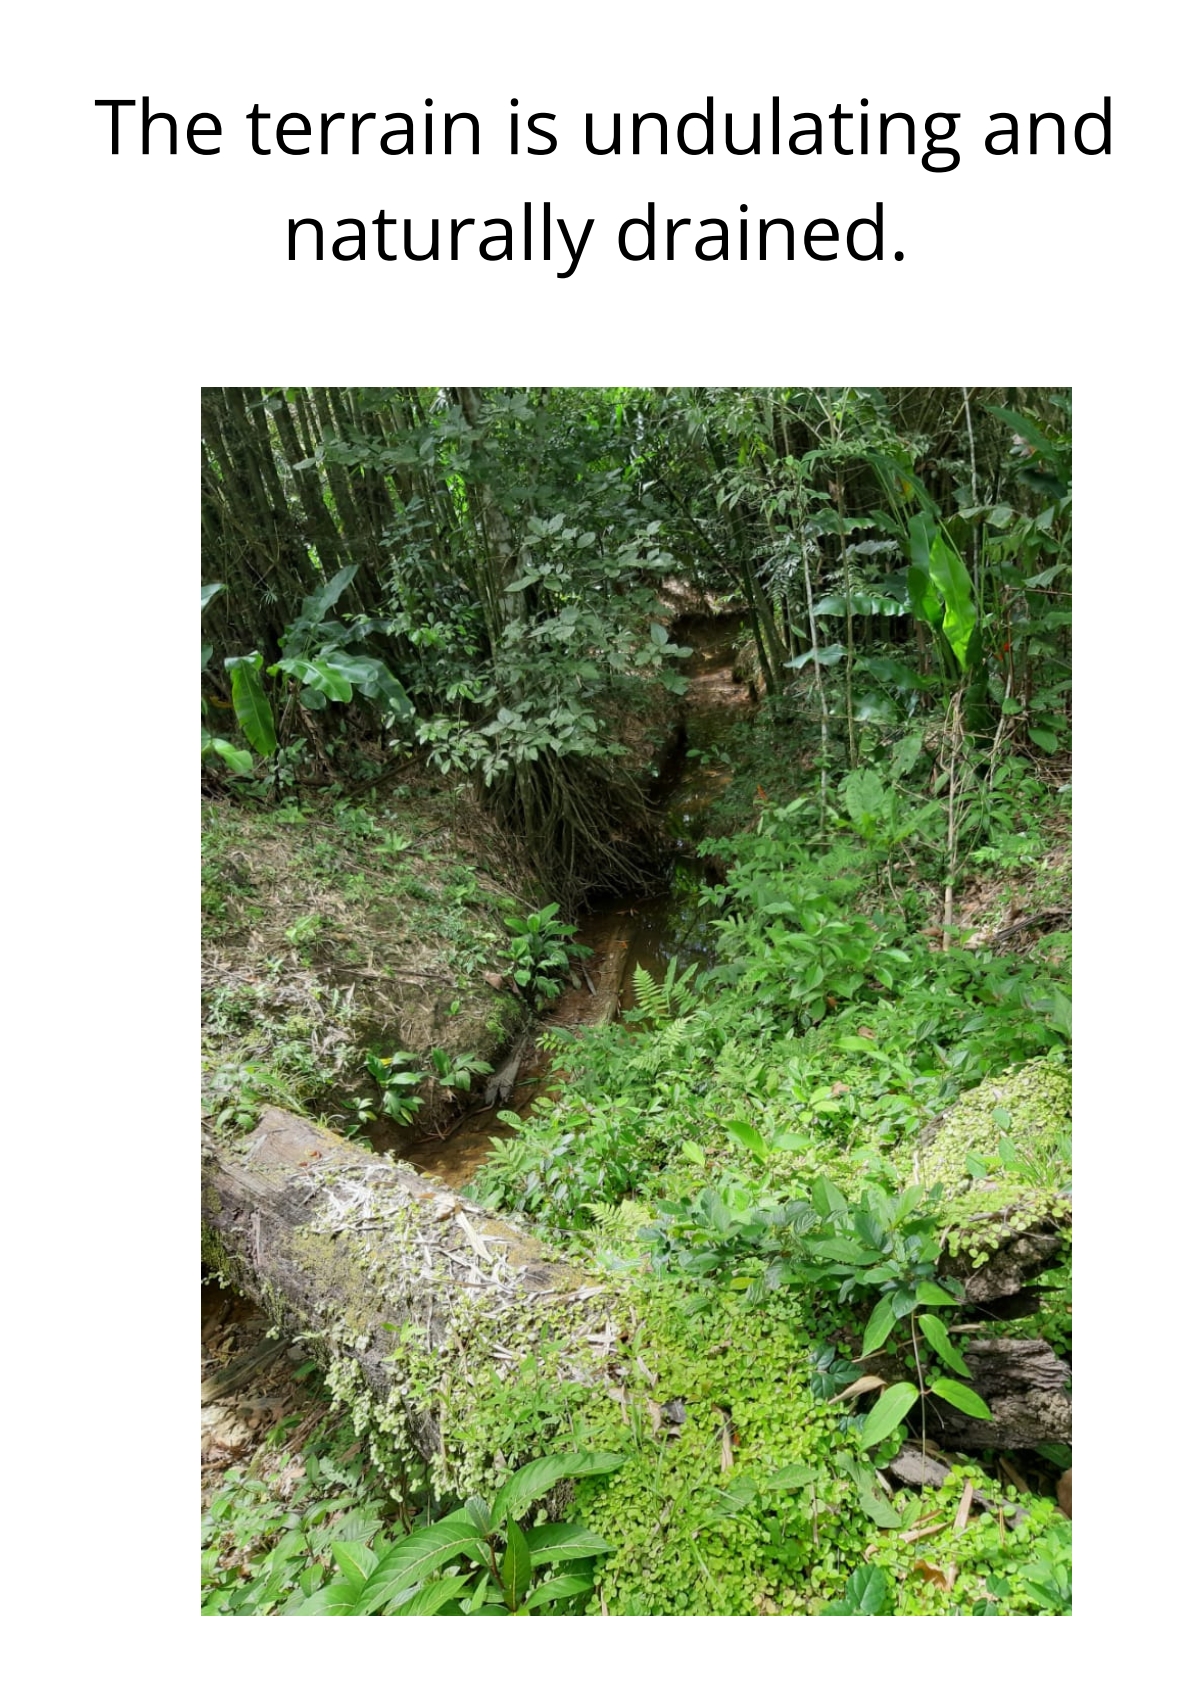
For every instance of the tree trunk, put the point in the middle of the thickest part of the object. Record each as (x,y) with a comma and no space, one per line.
(347,1251)
(351,1251)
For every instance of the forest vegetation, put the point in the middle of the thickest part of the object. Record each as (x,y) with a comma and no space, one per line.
(648,810)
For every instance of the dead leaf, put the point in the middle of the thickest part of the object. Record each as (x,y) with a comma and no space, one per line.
(921,1532)
(868,1034)
(1064,1493)
(493,979)
(1014,1477)
(943,1577)
(865,1383)
(839,1089)
(960,1519)
(726,1458)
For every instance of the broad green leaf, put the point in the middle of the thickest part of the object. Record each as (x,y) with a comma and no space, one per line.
(1058,1008)
(830,656)
(962,1397)
(789,1478)
(566,1584)
(888,1413)
(936,1334)
(564,1541)
(479,1514)
(929,1292)
(739,1494)
(863,795)
(695,1153)
(341,1597)
(330,681)
(659,635)
(516,1569)
(355,1560)
(866,1593)
(826,1197)
(238,760)
(209,593)
(318,605)
(416,1557)
(923,597)
(880,1324)
(953,583)
(520,1492)
(858,1044)
(867,1588)
(904,755)
(429,1598)
(1044,739)
(747,1136)
(250,702)
(879,1509)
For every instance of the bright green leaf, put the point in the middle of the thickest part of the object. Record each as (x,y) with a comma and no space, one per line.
(935,1332)
(889,1412)
(880,1324)
(251,704)
(962,1397)
(554,1590)
(520,1492)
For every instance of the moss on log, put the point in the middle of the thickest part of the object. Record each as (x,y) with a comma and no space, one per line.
(392,1280)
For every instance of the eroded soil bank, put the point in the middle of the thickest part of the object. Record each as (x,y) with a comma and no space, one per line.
(625,934)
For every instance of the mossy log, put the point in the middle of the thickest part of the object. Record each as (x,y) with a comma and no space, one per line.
(1023,1383)
(376,1268)
(398,1287)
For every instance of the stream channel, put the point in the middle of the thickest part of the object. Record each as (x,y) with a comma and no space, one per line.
(622,935)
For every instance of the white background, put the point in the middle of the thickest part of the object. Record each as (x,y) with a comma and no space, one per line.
(132,282)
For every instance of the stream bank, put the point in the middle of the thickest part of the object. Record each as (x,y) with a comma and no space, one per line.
(650,932)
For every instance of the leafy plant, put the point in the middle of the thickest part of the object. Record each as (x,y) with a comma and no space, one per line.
(478,1559)
(542,952)
(867,1593)
(454,1071)
(397,1083)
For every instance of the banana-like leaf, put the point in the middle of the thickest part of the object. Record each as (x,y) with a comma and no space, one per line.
(237,760)
(251,704)
(953,583)
(923,597)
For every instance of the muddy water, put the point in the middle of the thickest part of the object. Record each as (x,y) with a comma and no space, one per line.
(624,934)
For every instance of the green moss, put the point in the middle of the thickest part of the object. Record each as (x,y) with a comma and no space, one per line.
(1031,1107)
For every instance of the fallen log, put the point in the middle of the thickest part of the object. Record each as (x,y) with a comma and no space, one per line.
(387,1276)
(373,1267)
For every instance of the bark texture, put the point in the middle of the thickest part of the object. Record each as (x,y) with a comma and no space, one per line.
(349,1251)
(373,1266)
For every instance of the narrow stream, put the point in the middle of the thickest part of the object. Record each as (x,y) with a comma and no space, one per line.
(622,934)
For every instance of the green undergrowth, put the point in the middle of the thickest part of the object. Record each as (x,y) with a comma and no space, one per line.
(735,1484)
(780,1167)
(334,928)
